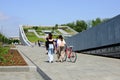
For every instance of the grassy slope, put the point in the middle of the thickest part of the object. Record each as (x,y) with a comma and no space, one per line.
(33,38)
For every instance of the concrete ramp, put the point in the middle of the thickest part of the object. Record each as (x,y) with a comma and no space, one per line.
(87,67)
(23,38)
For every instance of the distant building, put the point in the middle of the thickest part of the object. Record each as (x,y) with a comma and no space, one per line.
(14,38)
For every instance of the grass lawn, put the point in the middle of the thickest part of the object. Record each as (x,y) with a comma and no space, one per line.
(33,38)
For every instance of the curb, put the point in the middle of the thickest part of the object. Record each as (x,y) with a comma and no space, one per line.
(17,68)
(28,68)
(37,69)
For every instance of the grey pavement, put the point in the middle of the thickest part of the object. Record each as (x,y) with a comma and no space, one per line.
(20,76)
(87,67)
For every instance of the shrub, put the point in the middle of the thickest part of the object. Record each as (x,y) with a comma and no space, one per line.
(3,50)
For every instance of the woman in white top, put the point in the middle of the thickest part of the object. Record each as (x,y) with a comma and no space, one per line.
(61,48)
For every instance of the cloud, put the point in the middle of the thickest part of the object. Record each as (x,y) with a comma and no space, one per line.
(3,17)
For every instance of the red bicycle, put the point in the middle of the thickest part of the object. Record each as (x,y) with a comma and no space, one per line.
(70,54)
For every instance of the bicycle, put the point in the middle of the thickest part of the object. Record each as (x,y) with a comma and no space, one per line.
(70,54)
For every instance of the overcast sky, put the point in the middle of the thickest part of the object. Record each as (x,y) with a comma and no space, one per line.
(50,12)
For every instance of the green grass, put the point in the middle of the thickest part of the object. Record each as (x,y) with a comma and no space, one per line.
(3,50)
(40,33)
(33,38)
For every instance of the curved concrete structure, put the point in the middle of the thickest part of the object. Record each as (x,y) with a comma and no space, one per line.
(23,38)
(32,30)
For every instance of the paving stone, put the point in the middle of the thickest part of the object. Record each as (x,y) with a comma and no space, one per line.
(87,67)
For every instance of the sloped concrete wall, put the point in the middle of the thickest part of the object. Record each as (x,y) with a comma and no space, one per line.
(23,38)
(105,34)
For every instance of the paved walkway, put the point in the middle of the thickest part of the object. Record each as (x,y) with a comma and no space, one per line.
(20,76)
(87,67)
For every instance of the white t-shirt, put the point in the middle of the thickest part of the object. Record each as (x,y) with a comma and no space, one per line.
(61,43)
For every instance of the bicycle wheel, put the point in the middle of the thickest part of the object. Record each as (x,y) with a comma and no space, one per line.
(73,57)
(65,57)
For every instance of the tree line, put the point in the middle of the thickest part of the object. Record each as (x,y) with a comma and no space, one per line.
(80,25)
(5,40)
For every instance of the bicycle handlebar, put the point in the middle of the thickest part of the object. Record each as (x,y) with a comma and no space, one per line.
(70,46)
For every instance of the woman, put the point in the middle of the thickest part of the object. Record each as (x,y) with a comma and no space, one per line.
(61,48)
(50,48)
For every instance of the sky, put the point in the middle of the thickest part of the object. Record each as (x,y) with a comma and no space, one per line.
(50,12)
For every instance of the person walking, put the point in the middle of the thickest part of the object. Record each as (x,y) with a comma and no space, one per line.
(60,48)
(46,45)
(50,48)
(39,43)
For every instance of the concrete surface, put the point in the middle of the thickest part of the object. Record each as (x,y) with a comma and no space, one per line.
(87,67)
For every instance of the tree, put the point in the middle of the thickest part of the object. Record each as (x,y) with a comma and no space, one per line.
(25,30)
(96,22)
(56,26)
(53,29)
(35,27)
(80,25)
(72,25)
(3,39)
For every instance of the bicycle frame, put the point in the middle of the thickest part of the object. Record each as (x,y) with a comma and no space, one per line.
(70,54)
(68,51)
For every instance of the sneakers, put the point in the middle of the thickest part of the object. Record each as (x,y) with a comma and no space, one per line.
(59,61)
(50,61)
